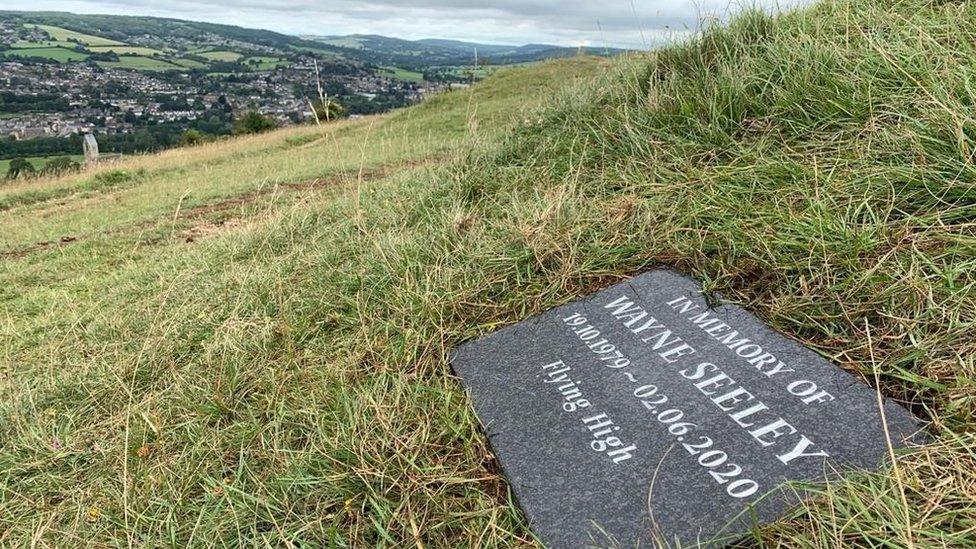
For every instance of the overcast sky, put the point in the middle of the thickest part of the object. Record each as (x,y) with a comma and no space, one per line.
(626,23)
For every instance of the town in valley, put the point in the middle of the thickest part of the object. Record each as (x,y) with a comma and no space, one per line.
(143,84)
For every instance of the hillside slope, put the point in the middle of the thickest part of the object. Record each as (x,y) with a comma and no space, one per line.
(246,343)
(155,384)
(122,28)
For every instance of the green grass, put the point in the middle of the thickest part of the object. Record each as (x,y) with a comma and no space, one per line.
(221,55)
(38,162)
(402,74)
(483,71)
(61,55)
(24,44)
(190,63)
(141,64)
(472,72)
(344,42)
(135,50)
(245,343)
(64,35)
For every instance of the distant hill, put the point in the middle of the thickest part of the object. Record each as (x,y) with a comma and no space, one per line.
(124,28)
(157,44)
(175,39)
(440,52)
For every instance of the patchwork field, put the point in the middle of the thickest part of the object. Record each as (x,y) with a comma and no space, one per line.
(64,35)
(63,44)
(62,55)
(345,42)
(189,63)
(404,74)
(122,50)
(221,55)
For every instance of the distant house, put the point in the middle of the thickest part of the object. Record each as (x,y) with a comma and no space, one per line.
(29,133)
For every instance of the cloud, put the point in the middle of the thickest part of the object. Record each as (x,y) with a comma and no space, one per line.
(627,23)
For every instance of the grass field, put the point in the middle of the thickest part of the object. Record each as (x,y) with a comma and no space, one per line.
(481,72)
(245,343)
(23,44)
(135,50)
(38,162)
(190,63)
(403,74)
(64,35)
(141,64)
(221,55)
(62,55)
(344,42)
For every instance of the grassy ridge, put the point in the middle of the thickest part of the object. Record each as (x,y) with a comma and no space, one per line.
(246,342)
(59,54)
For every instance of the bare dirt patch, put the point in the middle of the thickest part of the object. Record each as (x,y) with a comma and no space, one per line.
(210,227)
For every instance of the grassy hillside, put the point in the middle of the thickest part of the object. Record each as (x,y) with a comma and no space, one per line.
(151,384)
(156,44)
(245,343)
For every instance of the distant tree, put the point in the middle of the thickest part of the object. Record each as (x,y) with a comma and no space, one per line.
(60,165)
(223,104)
(192,137)
(254,122)
(213,124)
(20,167)
(175,104)
(329,110)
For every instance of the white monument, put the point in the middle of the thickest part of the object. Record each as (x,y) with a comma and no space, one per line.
(91,150)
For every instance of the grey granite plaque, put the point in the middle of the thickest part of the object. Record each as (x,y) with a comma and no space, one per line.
(646,414)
